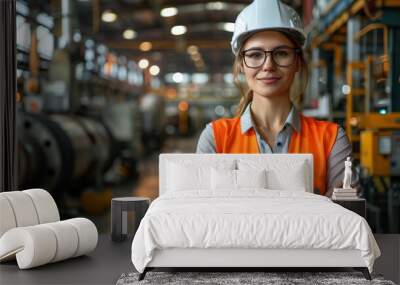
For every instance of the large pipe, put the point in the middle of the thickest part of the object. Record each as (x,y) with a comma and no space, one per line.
(59,151)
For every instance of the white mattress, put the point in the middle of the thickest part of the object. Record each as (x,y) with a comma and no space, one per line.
(253,218)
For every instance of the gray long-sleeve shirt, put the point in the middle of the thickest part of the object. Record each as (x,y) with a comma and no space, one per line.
(340,150)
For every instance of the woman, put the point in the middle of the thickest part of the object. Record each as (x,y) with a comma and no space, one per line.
(267,43)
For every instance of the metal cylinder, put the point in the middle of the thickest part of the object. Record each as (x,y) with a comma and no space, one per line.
(59,151)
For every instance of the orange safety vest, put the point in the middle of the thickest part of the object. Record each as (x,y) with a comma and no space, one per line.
(316,137)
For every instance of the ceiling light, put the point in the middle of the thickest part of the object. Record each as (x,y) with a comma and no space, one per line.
(228,78)
(178,30)
(192,49)
(129,34)
(219,110)
(169,12)
(183,106)
(143,63)
(154,70)
(346,89)
(145,46)
(108,16)
(77,37)
(216,6)
(101,49)
(89,44)
(177,77)
(200,78)
(229,27)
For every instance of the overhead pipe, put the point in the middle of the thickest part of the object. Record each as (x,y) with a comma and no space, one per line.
(372,27)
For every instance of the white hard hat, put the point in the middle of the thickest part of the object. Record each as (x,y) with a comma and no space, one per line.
(267,15)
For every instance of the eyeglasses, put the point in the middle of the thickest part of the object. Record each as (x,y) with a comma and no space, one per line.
(281,56)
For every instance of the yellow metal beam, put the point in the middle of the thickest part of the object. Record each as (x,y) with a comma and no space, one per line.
(357,65)
(372,27)
(375,162)
(378,121)
(388,3)
(355,8)
(357,91)
(339,22)
(339,39)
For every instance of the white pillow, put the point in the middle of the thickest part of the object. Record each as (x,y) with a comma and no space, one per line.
(222,179)
(281,174)
(183,178)
(184,175)
(251,178)
(280,180)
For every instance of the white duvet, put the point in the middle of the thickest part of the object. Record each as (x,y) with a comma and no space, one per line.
(254,218)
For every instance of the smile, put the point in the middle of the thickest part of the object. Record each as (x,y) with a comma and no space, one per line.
(269,80)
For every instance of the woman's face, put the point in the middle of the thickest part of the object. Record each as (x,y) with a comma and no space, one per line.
(271,78)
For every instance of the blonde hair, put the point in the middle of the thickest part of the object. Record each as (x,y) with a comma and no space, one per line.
(297,88)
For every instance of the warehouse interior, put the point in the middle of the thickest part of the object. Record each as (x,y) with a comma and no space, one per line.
(104,86)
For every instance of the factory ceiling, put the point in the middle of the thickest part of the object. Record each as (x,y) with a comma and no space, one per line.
(123,26)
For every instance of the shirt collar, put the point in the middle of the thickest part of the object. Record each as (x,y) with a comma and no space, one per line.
(246,121)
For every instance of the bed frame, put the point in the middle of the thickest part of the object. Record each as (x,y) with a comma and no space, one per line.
(246,259)
(250,258)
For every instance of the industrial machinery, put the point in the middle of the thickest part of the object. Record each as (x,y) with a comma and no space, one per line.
(124,121)
(71,89)
(63,153)
(380,162)
(373,123)
(152,110)
(359,43)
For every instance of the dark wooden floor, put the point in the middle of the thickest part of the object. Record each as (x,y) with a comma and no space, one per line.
(106,264)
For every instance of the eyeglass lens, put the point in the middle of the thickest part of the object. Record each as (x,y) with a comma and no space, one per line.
(281,56)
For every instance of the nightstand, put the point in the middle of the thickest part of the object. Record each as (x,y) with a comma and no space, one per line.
(357,205)
(119,215)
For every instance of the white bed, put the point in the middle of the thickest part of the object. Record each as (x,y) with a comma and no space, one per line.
(201,219)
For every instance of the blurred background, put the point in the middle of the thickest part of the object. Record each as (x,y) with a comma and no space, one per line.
(105,86)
